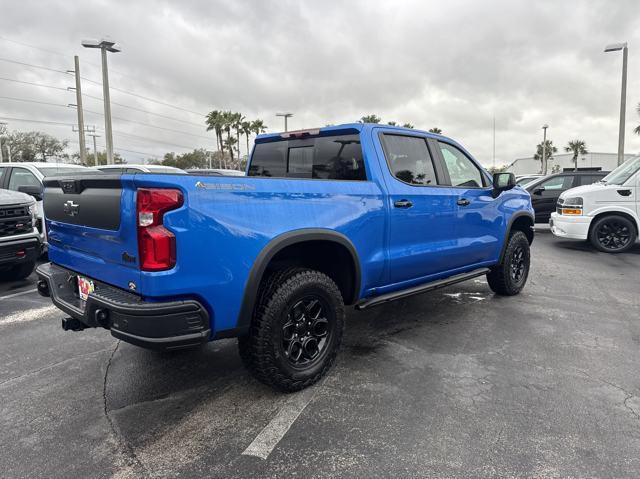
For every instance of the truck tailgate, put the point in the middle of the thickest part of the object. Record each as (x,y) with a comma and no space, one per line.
(91,227)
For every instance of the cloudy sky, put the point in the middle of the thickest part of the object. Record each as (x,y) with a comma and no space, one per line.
(454,65)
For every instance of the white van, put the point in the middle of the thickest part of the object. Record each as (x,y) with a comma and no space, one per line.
(606,213)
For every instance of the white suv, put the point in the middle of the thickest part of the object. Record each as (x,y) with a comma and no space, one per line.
(606,213)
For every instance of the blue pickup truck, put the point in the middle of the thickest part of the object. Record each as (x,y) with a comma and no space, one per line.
(350,215)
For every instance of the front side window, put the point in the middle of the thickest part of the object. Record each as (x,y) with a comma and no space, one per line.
(409,159)
(559,183)
(336,157)
(462,171)
(22,177)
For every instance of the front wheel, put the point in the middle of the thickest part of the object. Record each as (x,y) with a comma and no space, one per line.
(613,234)
(509,276)
(296,331)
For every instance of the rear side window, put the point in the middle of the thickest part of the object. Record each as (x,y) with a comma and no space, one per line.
(329,158)
(462,171)
(409,159)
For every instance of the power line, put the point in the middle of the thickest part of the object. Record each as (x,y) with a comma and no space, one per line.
(26,100)
(34,84)
(33,66)
(27,120)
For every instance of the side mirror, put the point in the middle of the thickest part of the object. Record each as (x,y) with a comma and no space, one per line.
(35,191)
(503,182)
(538,191)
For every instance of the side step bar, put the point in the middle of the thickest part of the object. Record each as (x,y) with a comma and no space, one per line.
(423,288)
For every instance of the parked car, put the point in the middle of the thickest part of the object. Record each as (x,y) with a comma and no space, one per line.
(607,213)
(546,191)
(522,180)
(20,242)
(27,178)
(355,214)
(127,168)
(215,172)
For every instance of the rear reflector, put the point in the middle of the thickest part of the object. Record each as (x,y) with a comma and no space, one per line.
(156,244)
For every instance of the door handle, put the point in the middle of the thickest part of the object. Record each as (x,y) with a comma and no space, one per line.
(463,202)
(403,204)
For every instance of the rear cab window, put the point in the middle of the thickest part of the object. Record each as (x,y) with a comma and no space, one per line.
(334,157)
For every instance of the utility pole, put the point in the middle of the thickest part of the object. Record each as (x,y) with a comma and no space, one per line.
(105,46)
(623,96)
(83,148)
(544,149)
(285,116)
(95,150)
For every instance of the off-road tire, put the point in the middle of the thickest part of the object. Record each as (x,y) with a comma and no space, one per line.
(615,222)
(261,349)
(501,278)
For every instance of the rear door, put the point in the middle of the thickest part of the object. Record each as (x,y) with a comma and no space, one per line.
(91,226)
(479,225)
(421,210)
(545,195)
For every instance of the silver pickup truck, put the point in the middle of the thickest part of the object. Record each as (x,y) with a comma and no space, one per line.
(20,243)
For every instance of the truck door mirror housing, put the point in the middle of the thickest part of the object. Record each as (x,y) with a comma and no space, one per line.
(35,191)
(503,182)
(538,191)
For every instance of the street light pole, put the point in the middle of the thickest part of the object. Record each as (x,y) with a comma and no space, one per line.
(623,96)
(105,46)
(285,116)
(544,149)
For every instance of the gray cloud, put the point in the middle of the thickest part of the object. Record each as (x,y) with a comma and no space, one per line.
(454,65)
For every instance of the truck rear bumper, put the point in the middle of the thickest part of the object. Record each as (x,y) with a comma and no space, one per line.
(153,325)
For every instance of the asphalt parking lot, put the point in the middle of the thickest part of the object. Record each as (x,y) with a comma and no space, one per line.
(454,383)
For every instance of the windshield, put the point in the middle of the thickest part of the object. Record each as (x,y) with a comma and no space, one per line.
(622,173)
(56,171)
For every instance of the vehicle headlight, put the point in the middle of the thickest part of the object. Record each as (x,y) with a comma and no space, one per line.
(33,209)
(571,206)
(576,201)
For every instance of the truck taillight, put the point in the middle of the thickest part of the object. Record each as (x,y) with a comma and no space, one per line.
(156,244)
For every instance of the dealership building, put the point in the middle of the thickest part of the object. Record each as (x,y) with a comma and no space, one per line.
(604,161)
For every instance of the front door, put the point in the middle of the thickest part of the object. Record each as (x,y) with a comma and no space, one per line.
(545,196)
(421,212)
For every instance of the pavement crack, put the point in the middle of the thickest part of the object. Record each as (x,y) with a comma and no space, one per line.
(125,448)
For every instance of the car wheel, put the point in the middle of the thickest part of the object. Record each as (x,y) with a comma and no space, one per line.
(296,331)
(613,234)
(22,270)
(509,277)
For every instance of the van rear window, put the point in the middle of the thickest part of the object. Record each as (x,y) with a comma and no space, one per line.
(330,158)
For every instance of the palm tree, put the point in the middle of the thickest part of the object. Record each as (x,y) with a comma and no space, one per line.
(227,125)
(392,123)
(636,130)
(230,143)
(370,119)
(435,130)
(549,151)
(246,131)
(578,147)
(237,119)
(407,125)
(215,121)
(258,126)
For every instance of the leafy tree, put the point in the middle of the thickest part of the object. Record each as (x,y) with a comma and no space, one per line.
(578,147)
(549,154)
(34,146)
(435,130)
(392,123)
(407,125)
(102,158)
(370,119)
(195,159)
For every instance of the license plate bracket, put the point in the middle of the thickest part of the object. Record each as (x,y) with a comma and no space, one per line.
(85,287)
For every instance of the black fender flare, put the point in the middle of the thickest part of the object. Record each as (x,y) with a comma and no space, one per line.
(513,218)
(265,256)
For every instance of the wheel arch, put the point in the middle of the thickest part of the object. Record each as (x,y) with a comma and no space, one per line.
(520,221)
(612,212)
(303,238)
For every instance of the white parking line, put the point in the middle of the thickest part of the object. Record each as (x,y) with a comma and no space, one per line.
(28,315)
(18,294)
(273,432)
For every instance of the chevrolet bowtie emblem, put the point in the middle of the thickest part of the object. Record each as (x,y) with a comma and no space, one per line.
(71,208)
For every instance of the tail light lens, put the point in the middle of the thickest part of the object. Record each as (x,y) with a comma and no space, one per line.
(156,244)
